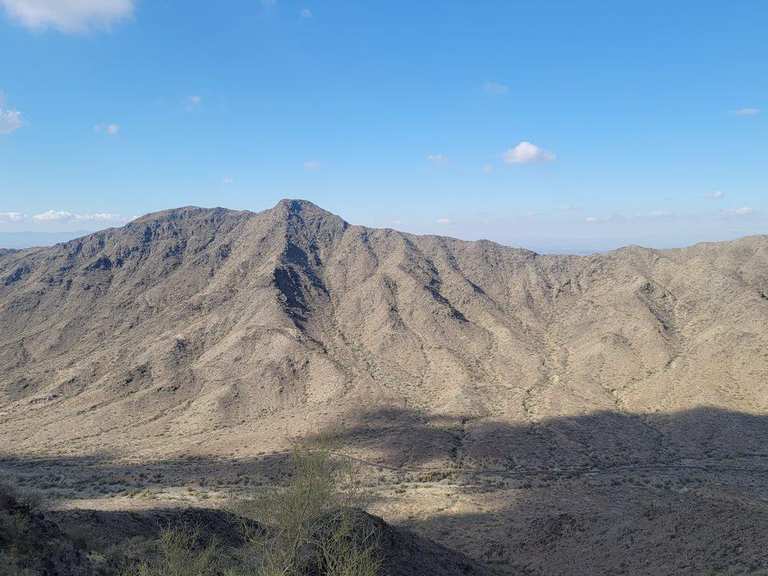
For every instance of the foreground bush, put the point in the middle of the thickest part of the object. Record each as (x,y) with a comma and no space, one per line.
(31,545)
(181,553)
(305,528)
(309,526)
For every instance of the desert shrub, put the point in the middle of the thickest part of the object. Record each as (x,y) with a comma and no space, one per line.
(17,543)
(309,524)
(348,547)
(30,545)
(180,552)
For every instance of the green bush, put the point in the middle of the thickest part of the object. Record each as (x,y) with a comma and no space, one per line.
(181,553)
(309,524)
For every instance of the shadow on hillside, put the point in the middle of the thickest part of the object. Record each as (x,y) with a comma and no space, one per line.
(602,440)
(605,493)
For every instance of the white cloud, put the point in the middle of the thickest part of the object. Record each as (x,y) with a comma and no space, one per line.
(715,195)
(69,16)
(6,217)
(311,165)
(437,158)
(53,216)
(10,120)
(613,218)
(749,111)
(735,212)
(527,153)
(192,102)
(496,88)
(306,13)
(660,214)
(444,221)
(59,216)
(227,180)
(101,217)
(108,129)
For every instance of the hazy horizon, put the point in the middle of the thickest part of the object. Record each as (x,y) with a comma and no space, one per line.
(21,239)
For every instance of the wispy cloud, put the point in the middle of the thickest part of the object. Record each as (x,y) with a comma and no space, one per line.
(68,16)
(715,195)
(10,120)
(227,180)
(737,212)
(605,219)
(748,111)
(59,216)
(437,158)
(444,221)
(527,153)
(311,165)
(496,88)
(487,168)
(6,217)
(306,13)
(108,129)
(53,216)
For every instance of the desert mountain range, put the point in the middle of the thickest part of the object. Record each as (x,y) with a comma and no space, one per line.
(197,321)
(228,334)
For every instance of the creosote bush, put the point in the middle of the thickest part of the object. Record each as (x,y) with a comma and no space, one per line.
(181,552)
(309,524)
(307,527)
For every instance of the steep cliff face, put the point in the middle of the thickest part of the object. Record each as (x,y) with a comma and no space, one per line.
(235,331)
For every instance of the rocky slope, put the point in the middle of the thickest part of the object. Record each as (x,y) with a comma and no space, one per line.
(219,323)
(536,412)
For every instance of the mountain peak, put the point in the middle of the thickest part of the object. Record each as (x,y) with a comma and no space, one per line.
(304,212)
(297,205)
(301,207)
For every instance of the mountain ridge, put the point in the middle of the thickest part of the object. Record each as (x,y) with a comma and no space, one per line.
(305,204)
(479,386)
(347,314)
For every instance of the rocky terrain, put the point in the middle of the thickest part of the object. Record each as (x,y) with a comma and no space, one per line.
(596,414)
(98,543)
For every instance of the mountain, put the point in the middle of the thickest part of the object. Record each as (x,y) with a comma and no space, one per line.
(196,321)
(218,333)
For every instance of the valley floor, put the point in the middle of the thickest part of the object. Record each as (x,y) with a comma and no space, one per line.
(691,516)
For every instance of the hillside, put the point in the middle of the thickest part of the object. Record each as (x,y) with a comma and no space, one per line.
(210,321)
(223,334)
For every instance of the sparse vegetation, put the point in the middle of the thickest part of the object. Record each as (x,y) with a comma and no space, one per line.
(306,526)
(29,545)
(309,523)
(181,552)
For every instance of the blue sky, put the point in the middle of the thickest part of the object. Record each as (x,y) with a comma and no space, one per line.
(556,125)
